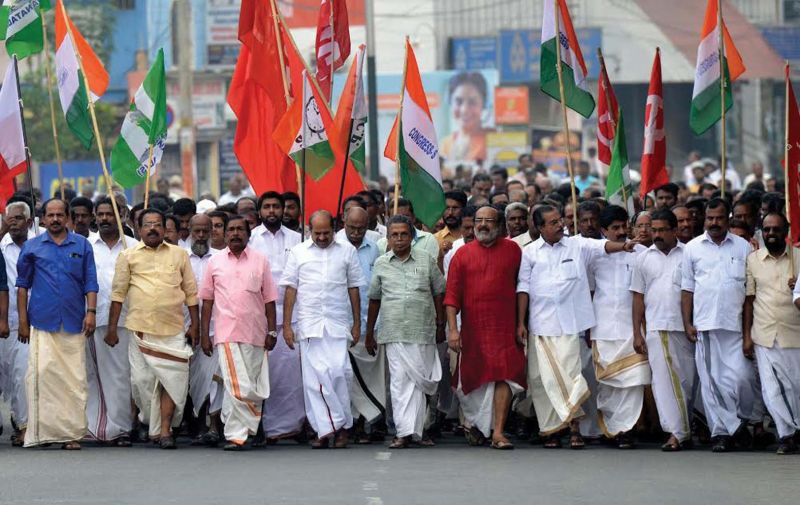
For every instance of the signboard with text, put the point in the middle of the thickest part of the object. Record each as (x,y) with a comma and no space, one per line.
(519,53)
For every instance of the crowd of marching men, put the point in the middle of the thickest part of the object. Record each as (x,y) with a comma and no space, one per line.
(222,322)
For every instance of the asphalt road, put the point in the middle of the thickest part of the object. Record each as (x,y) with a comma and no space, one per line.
(451,473)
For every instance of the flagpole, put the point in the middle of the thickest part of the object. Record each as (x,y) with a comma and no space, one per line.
(566,121)
(722,91)
(49,77)
(399,133)
(92,113)
(786,170)
(25,141)
(147,175)
(333,55)
(344,168)
(606,88)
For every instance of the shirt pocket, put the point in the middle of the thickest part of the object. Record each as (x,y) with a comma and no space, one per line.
(736,269)
(623,275)
(677,276)
(168,274)
(252,283)
(568,271)
(74,265)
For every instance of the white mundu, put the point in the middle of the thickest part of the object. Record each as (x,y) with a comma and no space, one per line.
(621,372)
(657,276)
(715,274)
(284,411)
(13,353)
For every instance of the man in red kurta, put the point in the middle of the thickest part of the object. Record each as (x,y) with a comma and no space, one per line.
(481,285)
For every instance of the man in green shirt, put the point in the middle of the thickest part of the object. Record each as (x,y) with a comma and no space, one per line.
(407,289)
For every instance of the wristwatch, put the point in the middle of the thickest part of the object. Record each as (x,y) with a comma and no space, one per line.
(273,334)
(93,311)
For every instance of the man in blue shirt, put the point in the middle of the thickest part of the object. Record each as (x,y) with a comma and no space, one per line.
(58,268)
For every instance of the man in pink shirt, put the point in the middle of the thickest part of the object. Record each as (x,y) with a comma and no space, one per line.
(238,287)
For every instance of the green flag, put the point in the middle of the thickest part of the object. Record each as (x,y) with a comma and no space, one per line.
(618,186)
(21,26)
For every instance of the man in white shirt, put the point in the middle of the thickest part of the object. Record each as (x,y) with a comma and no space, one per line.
(553,289)
(235,191)
(205,392)
(713,293)
(284,411)
(656,288)
(322,277)
(621,373)
(108,369)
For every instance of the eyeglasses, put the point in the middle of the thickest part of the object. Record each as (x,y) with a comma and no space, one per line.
(151,225)
(485,220)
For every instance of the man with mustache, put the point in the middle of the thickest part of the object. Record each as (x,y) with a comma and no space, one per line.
(203,389)
(156,279)
(455,201)
(685,224)
(238,286)
(58,269)
(322,278)
(109,409)
(553,290)
(713,294)
(656,288)
(480,285)
(772,327)
(284,411)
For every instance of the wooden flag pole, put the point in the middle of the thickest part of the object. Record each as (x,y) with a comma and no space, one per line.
(25,141)
(93,114)
(566,121)
(723,141)
(344,168)
(786,148)
(606,88)
(49,77)
(400,132)
(147,175)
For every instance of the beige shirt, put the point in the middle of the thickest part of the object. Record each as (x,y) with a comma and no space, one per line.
(775,318)
(157,283)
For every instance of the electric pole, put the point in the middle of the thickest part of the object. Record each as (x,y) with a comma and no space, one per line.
(182,10)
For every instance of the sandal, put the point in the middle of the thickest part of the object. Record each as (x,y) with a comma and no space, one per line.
(320,443)
(426,441)
(502,445)
(576,441)
(71,446)
(552,442)
(474,437)
(400,443)
(671,445)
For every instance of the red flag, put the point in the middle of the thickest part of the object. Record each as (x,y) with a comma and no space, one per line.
(654,154)
(333,41)
(793,160)
(606,119)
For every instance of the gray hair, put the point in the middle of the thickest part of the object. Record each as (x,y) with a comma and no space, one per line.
(26,211)
(516,206)
(401,219)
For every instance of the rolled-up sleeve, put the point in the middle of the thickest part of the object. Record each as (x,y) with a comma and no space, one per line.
(750,286)
(122,279)
(90,284)
(188,283)
(25,268)
(291,271)
(637,276)
(524,276)
(437,279)
(375,285)
(269,290)
(206,288)
(355,277)
(687,271)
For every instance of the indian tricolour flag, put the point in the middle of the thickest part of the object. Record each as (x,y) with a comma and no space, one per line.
(12,143)
(302,132)
(414,146)
(707,95)
(70,78)
(573,68)
(21,26)
(145,125)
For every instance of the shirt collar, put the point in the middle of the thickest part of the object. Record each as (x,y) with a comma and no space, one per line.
(97,239)
(763,253)
(539,243)
(679,245)
(142,245)
(411,256)
(70,238)
(727,238)
(227,252)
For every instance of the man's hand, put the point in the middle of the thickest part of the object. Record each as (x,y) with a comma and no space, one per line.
(440,336)
(288,336)
(630,245)
(24,332)
(522,335)
(89,323)
(639,345)
(192,335)
(454,340)
(206,345)
(748,348)
(371,344)
(792,282)
(270,342)
(4,331)
(111,338)
(356,333)
(691,333)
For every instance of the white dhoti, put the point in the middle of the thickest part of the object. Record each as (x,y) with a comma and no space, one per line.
(204,382)
(621,376)
(779,369)
(13,365)
(108,374)
(414,372)
(731,393)
(326,383)
(284,411)
(368,388)
(478,405)
(556,385)
(56,385)
(159,363)
(245,372)
(589,423)
(671,357)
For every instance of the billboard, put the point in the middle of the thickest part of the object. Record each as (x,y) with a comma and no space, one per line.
(76,174)
(519,53)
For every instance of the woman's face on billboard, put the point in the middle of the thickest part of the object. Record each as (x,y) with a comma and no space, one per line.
(467,105)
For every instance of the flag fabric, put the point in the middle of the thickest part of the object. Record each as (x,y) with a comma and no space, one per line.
(607,107)
(416,148)
(353,107)
(706,99)
(303,132)
(145,125)
(70,78)
(619,190)
(654,153)
(573,67)
(792,163)
(333,42)
(12,141)
(21,26)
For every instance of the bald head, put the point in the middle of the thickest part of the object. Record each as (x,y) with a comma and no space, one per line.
(321,228)
(199,219)
(355,225)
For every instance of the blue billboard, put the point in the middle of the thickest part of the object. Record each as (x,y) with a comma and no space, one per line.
(519,53)
(76,174)
(473,53)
